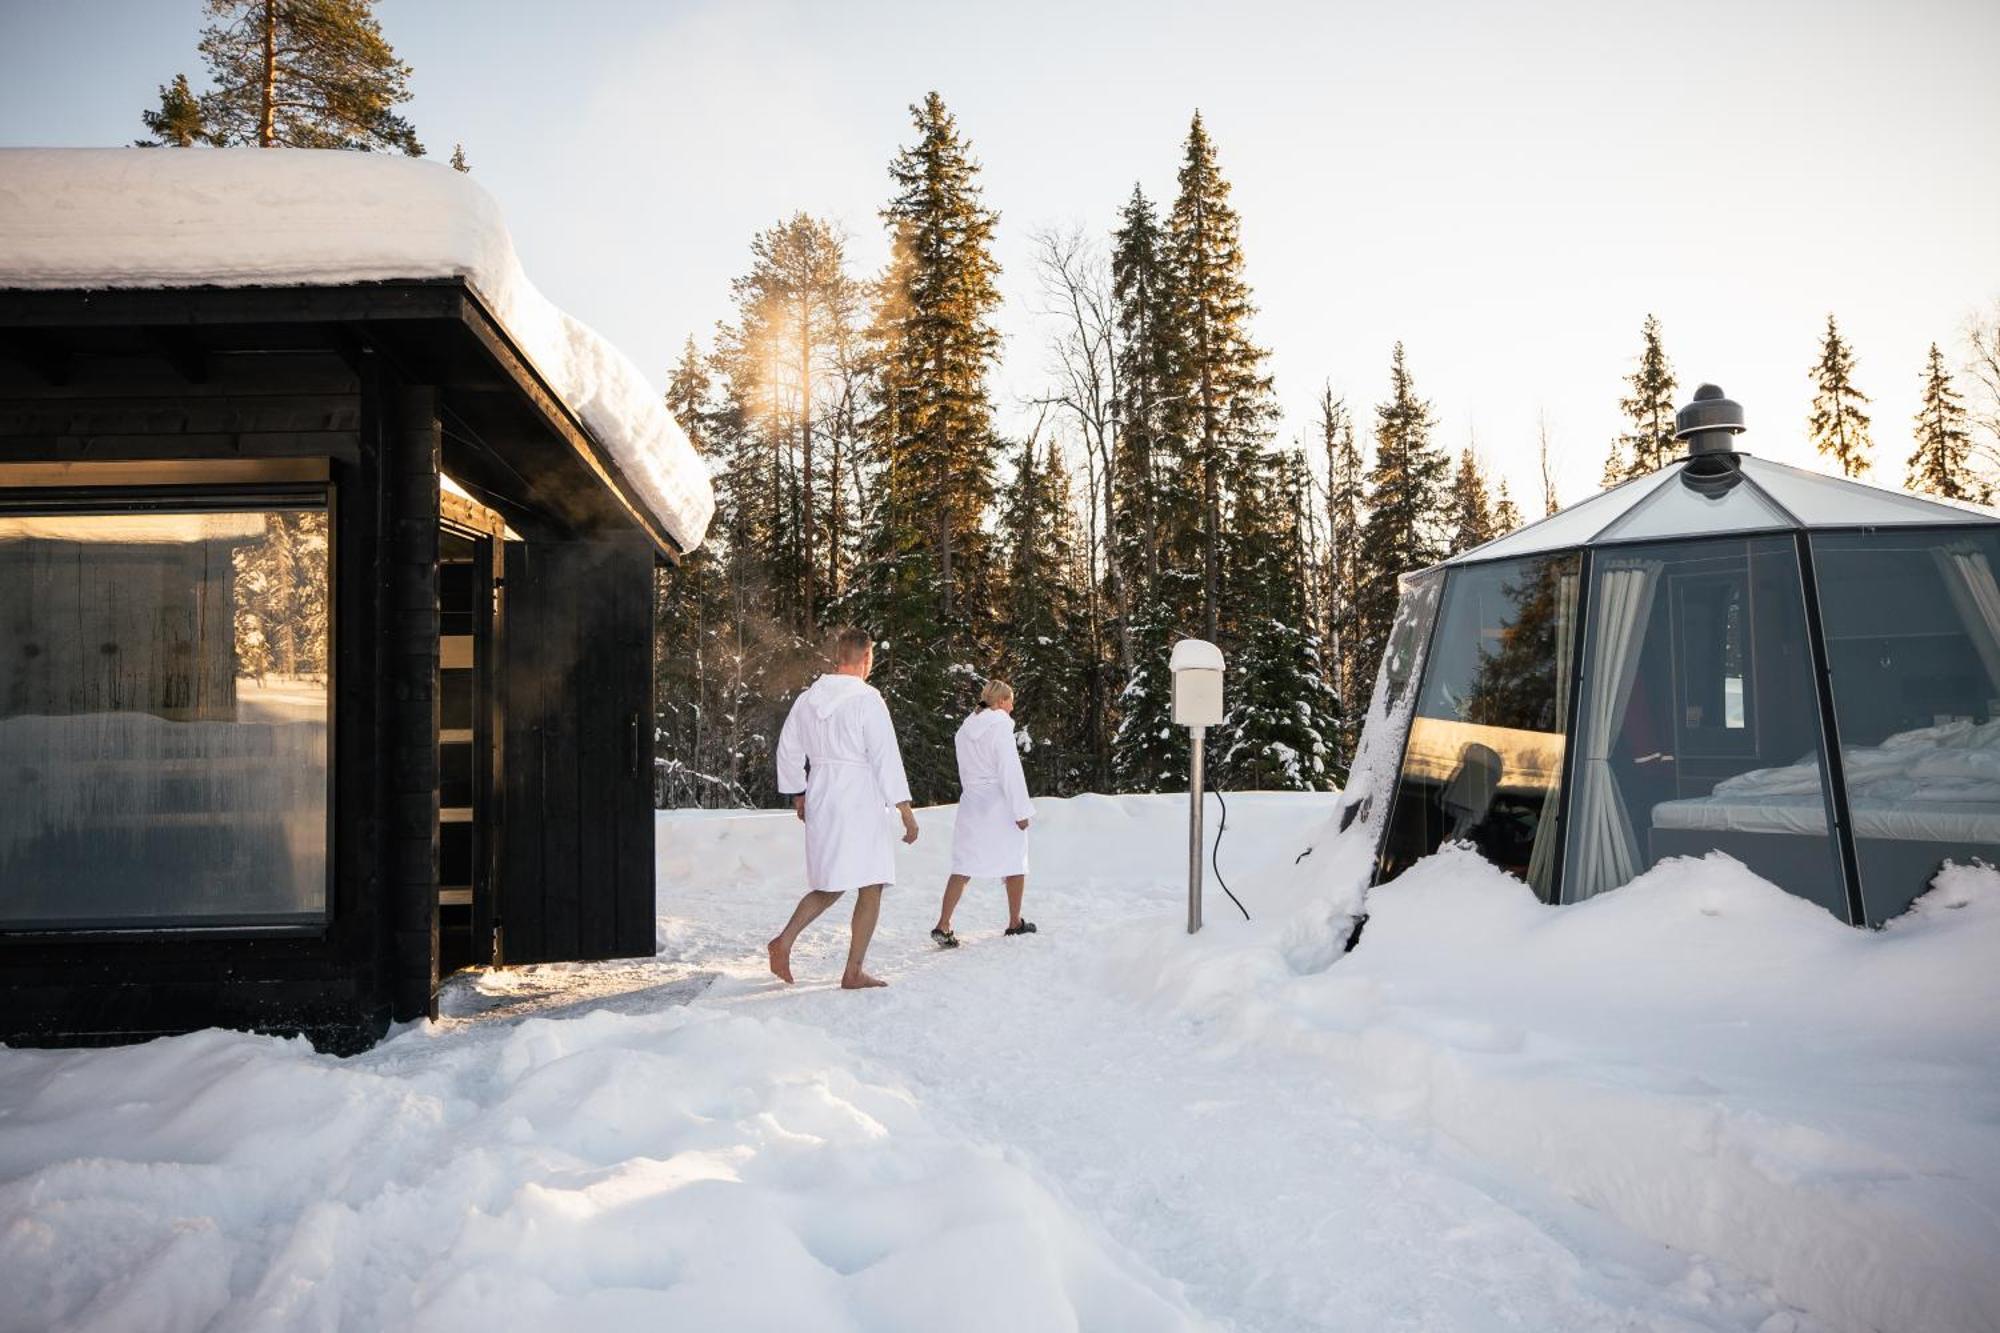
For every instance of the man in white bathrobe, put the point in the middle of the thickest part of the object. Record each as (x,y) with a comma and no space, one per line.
(990,835)
(837,759)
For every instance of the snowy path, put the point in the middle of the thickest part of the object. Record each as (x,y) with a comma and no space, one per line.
(1228,1167)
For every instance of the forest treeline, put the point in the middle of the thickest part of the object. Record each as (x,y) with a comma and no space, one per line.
(862,476)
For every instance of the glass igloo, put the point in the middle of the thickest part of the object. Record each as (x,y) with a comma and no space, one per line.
(1727,654)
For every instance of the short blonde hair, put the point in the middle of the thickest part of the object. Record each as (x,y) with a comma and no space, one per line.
(848,645)
(997,692)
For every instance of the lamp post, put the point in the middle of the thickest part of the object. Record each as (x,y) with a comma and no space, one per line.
(1197,669)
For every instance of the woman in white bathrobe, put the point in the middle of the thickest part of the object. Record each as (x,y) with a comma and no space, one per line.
(990,835)
(838,760)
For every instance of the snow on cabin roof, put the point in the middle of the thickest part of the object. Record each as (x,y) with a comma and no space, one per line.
(250,217)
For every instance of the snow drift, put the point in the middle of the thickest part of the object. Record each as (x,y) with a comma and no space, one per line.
(681,1169)
(1711,1061)
(241,217)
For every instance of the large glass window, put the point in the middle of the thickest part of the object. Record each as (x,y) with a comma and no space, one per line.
(1484,759)
(1912,624)
(163,718)
(1698,727)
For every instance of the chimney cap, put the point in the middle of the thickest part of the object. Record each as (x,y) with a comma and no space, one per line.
(1709,421)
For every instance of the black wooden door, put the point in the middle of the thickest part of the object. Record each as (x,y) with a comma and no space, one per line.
(576,689)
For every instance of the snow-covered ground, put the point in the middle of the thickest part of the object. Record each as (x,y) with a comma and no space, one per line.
(1695,1103)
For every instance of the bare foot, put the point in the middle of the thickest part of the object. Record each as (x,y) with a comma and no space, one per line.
(860,981)
(781,961)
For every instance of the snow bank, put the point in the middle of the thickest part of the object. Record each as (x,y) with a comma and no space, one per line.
(1713,1062)
(680,1169)
(236,217)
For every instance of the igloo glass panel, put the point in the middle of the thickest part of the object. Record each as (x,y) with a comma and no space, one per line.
(1912,622)
(163,718)
(1483,762)
(1698,726)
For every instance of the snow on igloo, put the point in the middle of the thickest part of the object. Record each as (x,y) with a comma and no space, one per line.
(1728,654)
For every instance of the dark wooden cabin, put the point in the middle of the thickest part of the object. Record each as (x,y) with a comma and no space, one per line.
(325,663)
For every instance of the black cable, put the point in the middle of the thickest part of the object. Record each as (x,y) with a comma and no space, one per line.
(1215,852)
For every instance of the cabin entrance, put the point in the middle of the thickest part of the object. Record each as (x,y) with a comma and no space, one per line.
(470,555)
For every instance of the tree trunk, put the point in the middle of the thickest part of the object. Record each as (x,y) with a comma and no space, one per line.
(267,111)
(806,456)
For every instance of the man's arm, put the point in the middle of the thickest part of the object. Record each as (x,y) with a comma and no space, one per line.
(886,759)
(791,757)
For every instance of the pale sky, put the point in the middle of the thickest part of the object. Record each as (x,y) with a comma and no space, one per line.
(1509,189)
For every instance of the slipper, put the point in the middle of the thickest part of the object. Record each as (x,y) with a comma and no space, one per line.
(944,939)
(1025,928)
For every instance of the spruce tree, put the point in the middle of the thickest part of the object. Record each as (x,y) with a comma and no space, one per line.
(1506,514)
(1648,443)
(1222,408)
(928,584)
(1942,462)
(297,74)
(1838,427)
(1045,645)
(1142,290)
(1282,729)
(458,162)
(1409,507)
(1471,506)
(179,122)
(1346,501)
(1149,753)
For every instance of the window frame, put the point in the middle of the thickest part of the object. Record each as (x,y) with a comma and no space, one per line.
(24,493)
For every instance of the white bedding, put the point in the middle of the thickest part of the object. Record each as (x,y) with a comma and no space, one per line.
(1931,784)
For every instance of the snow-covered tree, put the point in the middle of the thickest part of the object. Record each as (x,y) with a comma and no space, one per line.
(293,74)
(1942,462)
(1150,753)
(1838,426)
(1045,649)
(1282,729)
(1346,500)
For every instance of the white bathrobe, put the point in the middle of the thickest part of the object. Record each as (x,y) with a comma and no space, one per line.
(840,750)
(986,840)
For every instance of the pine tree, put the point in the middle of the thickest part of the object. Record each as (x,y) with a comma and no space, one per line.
(1506,514)
(1282,729)
(1941,464)
(179,122)
(458,162)
(1142,290)
(1409,504)
(1838,427)
(1648,445)
(1471,506)
(1222,401)
(796,308)
(297,74)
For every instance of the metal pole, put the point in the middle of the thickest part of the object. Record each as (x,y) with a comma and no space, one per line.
(1196,736)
